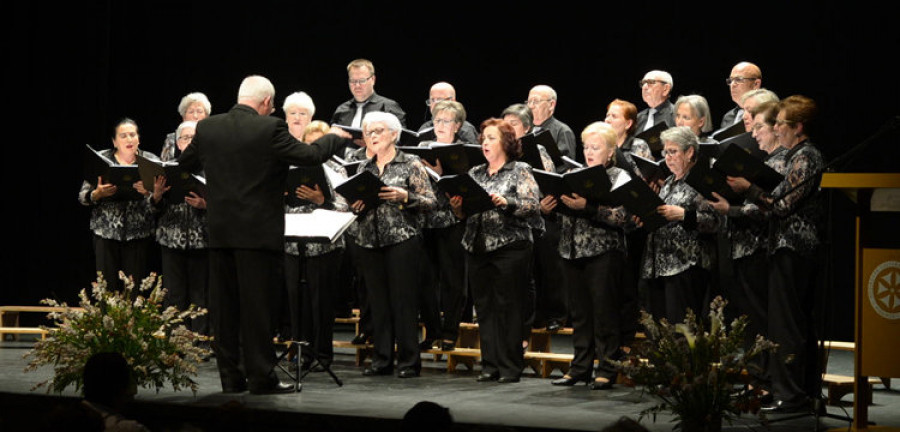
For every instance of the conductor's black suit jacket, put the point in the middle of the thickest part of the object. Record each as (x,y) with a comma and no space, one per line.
(246,157)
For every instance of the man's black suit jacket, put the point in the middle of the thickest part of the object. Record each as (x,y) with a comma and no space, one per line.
(245,157)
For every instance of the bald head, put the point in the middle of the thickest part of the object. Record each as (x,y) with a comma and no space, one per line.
(745,76)
(440,92)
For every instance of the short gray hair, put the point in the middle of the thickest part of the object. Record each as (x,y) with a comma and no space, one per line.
(683,137)
(522,112)
(761,95)
(256,88)
(300,99)
(184,124)
(190,99)
(699,107)
(389,120)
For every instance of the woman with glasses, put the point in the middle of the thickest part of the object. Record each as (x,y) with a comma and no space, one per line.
(498,244)
(592,245)
(545,304)
(444,272)
(181,232)
(676,258)
(796,210)
(389,237)
(193,107)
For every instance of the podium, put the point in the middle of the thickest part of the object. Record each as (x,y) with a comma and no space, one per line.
(876,280)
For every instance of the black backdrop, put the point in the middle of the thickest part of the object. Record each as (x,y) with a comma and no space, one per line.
(87,64)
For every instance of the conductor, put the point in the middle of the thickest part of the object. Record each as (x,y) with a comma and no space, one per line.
(245,154)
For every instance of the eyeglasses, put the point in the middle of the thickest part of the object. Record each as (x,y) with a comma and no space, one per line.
(650,82)
(738,80)
(430,101)
(670,152)
(534,102)
(784,122)
(185,138)
(374,132)
(443,122)
(360,81)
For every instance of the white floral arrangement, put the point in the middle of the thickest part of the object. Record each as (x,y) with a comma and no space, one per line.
(152,338)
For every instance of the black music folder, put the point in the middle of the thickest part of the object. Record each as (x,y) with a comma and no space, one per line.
(308,176)
(474,198)
(729,132)
(179,181)
(706,180)
(737,162)
(122,176)
(637,197)
(530,153)
(318,226)
(651,136)
(411,138)
(363,186)
(454,157)
(650,170)
(592,183)
(746,142)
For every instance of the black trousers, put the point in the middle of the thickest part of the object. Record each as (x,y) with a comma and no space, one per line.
(244,288)
(391,275)
(131,257)
(670,296)
(791,300)
(549,293)
(595,296)
(186,279)
(312,302)
(444,282)
(362,294)
(749,293)
(499,280)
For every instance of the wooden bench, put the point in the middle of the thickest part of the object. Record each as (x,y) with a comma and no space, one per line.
(362,351)
(9,319)
(544,363)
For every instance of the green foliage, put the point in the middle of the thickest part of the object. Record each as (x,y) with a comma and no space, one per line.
(699,371)
(152,338)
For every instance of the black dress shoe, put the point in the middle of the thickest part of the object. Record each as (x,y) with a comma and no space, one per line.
(426,344)
(553,326)
(378,372)
(566,381)
(277,388)
(485,377)
(785,407)
(448,346)
(600,385)
(507,380)
(408,373)
(360,339)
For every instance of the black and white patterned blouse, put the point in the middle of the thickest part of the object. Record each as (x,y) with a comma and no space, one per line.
(796,216)
(178,224)
(338,203)
(118,220)
(391,222)
(490,230)
(748,224)
(677,246)
(599,230)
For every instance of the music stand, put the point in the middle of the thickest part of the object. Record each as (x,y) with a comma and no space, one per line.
(326,367)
